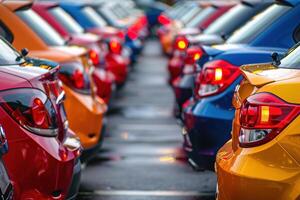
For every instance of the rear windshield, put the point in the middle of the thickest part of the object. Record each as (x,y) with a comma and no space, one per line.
(66,20)
(41,27)
(94,17)
(258,24)
(200,17)
(190,14)
(8,55)
(232,18)
(292,59)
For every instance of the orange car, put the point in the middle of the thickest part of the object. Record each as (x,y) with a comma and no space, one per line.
(84,109)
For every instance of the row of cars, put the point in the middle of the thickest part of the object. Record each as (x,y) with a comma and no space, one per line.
(239,118)
(61,63)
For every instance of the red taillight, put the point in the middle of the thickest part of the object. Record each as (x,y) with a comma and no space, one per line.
(94,57)
(132,33)
(193,54)
(163,20)
(216,76)
(181,43)
(262,117)
(73,75)
(115,46)
(121,35)
(32,109)
(78,79)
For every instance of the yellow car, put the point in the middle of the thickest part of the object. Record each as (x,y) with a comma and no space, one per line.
(262,160)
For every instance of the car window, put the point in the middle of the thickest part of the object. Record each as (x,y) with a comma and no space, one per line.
(6,33)
(8,55)
(292,59)
(41,27)
(93,16)
(190,14)
(200,17)
(230,19)
(258,24)
(66,20)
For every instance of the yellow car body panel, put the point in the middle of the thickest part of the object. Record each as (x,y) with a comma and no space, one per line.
(271,170)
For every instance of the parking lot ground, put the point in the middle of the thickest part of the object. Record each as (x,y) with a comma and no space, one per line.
(142,157)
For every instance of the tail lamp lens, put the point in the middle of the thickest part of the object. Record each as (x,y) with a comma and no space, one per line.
(115,46)
(73,75)
(216,76)
(181,43)
(163,20)
(94,57)
(193,55)
(132,33)
(32,109)
(262,117)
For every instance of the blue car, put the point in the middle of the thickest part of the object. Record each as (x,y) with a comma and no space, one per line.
(89,19)
(208,117)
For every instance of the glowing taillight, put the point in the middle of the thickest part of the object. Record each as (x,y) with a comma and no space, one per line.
(115,46)
(193,54)
(216,76)
(78,79)
(181,43)
(163,20)
(262,117)
(94,57)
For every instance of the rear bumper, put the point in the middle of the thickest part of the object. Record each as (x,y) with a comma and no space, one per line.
(74,188)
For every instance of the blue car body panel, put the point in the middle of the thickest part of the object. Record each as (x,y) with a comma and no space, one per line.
(209,120)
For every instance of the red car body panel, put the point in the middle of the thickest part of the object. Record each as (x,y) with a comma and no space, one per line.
(39,167)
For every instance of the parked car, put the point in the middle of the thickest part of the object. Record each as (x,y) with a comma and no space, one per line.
(263,154)
(18,20)
(74,34)
(183,70)
(212,107)
(6,188)
(32,110)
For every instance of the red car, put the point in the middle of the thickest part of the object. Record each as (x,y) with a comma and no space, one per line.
(104,53)
(43,159)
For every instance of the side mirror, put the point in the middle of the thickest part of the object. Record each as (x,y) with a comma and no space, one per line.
(24,52)
(276,58)
(224,36)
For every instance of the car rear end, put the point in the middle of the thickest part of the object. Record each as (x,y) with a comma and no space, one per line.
(263,155)
(32,106)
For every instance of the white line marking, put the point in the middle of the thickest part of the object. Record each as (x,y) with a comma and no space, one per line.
(146,193)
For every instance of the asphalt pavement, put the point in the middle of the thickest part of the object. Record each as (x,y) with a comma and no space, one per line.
(142,158)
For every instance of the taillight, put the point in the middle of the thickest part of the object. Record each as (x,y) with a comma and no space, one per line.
(132,34)
(193,54)
(73,75)
(32,109)
(163,20)
(115,46)
(216,76)
(94,57)
(181,43)
(262,117)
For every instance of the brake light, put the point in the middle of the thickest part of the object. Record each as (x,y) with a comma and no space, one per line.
(181,43)
(115,46)
(216,76)
(163,20)
(94,57)
(262,117)
(32,109)
(193,55)
(73,75)
(131,33)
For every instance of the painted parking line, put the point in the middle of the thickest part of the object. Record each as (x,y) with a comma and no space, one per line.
(158,193)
